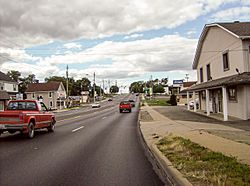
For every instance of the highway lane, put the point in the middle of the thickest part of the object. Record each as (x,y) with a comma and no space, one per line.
(98,148)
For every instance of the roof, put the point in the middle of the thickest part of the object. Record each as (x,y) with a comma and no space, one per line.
(50,86)
(240,30)
(4,95)
(189,83)
(5,77)
(238,79)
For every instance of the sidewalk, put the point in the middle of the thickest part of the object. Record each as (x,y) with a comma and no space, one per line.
(195,131)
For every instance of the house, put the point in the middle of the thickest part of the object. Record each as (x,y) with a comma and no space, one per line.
(9,85)
(222,61)
(53,94)
(8,89)
(4,97)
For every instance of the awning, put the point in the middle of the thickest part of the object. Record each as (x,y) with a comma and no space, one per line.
(238,79)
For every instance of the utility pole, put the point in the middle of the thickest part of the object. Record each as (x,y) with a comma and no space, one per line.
(103,87)
(187,77)
(109,86)
(67,84)
(94,87)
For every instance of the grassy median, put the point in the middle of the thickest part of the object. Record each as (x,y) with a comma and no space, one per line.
(157,102)
(202,166)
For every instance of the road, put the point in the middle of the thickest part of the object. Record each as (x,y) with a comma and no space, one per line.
(89,147)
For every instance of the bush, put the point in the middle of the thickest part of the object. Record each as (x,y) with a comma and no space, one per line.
(172,100)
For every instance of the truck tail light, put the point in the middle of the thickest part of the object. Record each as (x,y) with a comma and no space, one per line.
(21,117)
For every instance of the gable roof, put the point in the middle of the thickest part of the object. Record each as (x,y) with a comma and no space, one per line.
(5,77)
(50,86)
(240,30)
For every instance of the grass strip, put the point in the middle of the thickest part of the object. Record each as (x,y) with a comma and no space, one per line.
(157,102)
(202,166)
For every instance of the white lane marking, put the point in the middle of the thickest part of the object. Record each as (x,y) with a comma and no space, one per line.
(79,128)
(104,117)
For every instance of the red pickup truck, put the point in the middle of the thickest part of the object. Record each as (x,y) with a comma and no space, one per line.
(125,106)
(26,116)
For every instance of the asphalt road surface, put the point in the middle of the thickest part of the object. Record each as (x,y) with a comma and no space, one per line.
(89,147)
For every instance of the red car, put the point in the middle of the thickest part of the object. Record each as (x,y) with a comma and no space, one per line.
(125,106)
(26,116)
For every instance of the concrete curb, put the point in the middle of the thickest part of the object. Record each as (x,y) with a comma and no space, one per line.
(161,165)
(172,174)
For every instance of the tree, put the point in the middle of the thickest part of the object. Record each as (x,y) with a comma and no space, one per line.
(137,87)
(114,89)
(23,84)
(173,100)
(158,89)
(15,75)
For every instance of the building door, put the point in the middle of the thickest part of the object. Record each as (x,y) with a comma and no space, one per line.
(220,103)
(214,105)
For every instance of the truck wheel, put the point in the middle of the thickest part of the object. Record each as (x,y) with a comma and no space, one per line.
(120,111)
(31,130)
(129,110)
(51,127)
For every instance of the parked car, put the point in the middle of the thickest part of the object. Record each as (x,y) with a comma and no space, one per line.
(96,105)
(125,106)
(26,116)
(132,102)
(191,103)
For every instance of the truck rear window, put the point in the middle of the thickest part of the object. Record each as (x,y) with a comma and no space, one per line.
(21,106)
(124,103)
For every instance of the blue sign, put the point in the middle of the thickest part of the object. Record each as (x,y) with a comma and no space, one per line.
(178,81)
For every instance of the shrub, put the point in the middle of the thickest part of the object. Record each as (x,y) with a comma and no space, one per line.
(172,100)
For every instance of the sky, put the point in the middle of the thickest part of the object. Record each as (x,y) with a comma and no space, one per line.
(120,41)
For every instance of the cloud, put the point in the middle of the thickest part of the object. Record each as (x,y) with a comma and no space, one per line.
(131,59)
(133,36)
(30,22)
(72,46)
(236,13)
(126,59)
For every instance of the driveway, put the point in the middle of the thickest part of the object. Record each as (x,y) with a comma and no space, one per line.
(182,114)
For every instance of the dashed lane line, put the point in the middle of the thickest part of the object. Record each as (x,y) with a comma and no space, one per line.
(79,128)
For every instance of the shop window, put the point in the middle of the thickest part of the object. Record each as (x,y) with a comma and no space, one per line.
(232,93)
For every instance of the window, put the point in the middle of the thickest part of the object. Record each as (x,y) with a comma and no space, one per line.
(21,105)
(1,86)
(225,61)
(33,95)
(50,94)
(14,87)
(201,74)
(51,104)
(232,93)
(1,105)
(208,72)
